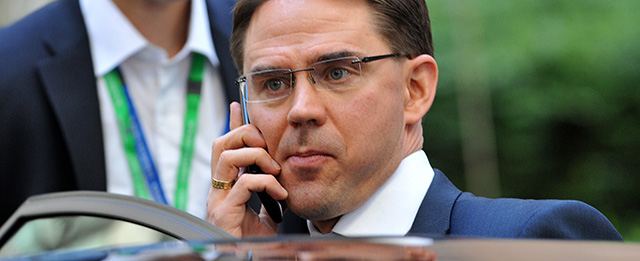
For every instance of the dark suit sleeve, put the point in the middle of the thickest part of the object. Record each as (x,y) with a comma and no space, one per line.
(518,218)
(568,219)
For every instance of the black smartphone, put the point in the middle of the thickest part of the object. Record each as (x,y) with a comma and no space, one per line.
(273,207)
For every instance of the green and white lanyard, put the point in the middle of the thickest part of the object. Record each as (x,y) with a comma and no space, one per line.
(145,176)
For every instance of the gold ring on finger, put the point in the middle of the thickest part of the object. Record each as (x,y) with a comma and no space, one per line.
(219,184)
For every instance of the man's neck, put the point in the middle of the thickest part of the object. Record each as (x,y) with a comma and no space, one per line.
(325,226)
(163,23)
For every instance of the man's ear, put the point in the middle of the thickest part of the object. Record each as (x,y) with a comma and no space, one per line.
(422,80)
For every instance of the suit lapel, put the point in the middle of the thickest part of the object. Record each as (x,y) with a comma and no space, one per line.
(434,215)
(220,17)
(68,81)
(69,84)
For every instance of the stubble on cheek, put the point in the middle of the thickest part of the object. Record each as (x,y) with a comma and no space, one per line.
(314,194)
(313,202)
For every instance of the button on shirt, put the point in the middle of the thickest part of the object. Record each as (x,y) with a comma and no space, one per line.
(390,211)
(157,85)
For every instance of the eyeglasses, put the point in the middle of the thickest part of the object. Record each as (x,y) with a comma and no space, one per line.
(328,75)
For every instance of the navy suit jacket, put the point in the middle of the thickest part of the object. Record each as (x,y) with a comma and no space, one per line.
(51,132)
(446,210)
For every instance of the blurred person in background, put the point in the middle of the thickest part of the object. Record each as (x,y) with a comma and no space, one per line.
(124,96)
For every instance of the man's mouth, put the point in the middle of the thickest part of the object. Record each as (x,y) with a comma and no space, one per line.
(308,159)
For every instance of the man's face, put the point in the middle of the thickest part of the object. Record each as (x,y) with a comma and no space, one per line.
(335,148)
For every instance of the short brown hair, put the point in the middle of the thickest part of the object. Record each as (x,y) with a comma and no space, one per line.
(404,24)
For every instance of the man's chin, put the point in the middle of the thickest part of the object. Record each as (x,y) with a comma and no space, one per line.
(313,210)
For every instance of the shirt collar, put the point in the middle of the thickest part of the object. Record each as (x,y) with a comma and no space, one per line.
(115,41)
(390,211)
(200,39)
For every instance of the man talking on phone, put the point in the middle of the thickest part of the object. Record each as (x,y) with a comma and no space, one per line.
(336,91)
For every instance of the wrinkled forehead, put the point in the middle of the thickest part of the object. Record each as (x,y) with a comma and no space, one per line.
(285,33)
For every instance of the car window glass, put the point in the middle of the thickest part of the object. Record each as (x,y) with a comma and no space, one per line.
(77,233)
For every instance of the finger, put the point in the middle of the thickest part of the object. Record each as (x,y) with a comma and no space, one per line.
(230,211)
(236,199)
(239,195)
(235,115)
(235,121)
(243,136)
(238,138)
(230,161)
(246,184)
(226,217)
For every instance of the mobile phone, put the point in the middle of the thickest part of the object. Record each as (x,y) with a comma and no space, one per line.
(273,207)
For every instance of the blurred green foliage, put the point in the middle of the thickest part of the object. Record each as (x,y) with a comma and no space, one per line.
(565,102)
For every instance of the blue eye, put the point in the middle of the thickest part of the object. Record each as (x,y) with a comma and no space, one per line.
(275,85)
(338,73)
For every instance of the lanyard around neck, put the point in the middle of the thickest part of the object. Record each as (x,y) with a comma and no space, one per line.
(146,181)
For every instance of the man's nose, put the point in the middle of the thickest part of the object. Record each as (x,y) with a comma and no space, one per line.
(307,105)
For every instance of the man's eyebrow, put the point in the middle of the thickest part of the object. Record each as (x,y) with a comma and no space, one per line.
(339,54)
(260,68)
(323,57)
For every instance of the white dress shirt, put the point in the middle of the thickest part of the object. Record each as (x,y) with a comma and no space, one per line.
(390,211)
(157,85)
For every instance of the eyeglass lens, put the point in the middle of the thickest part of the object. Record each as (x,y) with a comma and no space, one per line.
(335,74)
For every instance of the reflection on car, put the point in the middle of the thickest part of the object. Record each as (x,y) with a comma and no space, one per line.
(87,220)
(103,226)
